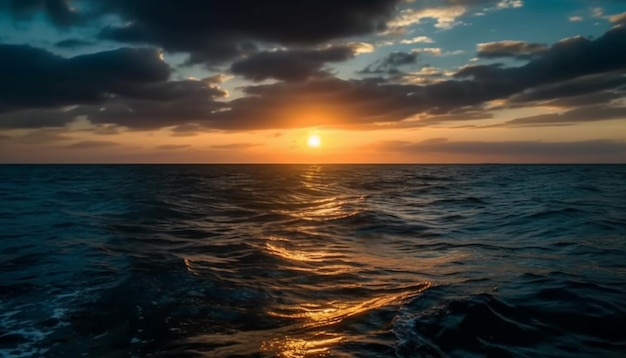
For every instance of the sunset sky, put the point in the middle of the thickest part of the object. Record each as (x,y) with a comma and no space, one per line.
(378,81)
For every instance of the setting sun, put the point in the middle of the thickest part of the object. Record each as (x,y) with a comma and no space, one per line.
(314,141)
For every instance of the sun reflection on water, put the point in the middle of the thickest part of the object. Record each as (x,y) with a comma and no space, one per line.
(316,317)
(329,313)
(322,283)
(317,345)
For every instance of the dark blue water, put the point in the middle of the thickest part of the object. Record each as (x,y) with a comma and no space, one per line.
(308,261)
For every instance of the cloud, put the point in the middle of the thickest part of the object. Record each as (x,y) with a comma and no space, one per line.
(418,39)
(194,103)
(469,2)
(575,18)
(390,64)
(574,150)
(132,89)
(510,4)
(291,65)
(34,77)
(361,47)
(597,12)
(128,87)
(593,98)
(338,102)
(499,4)
(619,19)
(584,85)
(582,114)
(444,17)
(152,107)
(426,75)
(568,59)
(435,51)
(509,48)
(216,79)
(215,31)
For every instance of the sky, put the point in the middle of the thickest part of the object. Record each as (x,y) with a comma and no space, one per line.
(377,81)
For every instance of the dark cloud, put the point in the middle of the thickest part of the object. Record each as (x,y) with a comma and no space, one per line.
(515,49)
(611,97)
(577,87)
(596,98)
(214,31)
(567,59)
(390,64)
(72,43)
(58,11)
(582,114)
(572,150)
(128,87)
(151,114)
(33,77)
(293,65)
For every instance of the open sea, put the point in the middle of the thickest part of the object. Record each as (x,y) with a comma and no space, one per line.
(312,261)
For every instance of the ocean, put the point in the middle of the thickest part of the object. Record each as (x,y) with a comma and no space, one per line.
(312,260)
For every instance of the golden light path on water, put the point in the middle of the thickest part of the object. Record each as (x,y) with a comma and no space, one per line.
(384,277)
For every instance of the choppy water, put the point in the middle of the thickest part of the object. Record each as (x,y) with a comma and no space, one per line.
(307,260)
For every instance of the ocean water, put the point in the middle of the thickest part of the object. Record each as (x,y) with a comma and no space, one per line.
(313,260)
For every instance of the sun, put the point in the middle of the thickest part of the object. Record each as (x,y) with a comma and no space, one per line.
(314,141)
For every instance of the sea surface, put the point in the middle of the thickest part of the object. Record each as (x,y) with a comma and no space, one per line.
(313,260)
